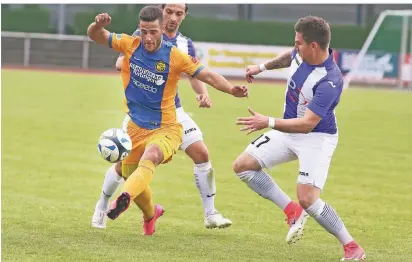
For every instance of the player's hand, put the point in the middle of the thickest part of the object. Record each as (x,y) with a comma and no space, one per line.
(240,91)
(103,19)
(204,101)
(253,123)
(251,70)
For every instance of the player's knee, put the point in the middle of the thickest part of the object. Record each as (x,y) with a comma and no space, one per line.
(154,154)
(307,195)
(240,166)
(245,162)
(198,152)
(118,168)
(305,202)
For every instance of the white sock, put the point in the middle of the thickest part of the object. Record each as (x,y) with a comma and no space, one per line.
(205,182)
(327,217)
(111,182)
(265,186)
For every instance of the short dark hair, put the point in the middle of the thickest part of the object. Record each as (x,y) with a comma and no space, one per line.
(151,13)
(186,7)
(314,29)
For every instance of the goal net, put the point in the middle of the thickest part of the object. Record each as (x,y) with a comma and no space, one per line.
(386,56)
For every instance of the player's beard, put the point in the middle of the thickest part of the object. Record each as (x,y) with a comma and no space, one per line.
(171,28)
(156,45)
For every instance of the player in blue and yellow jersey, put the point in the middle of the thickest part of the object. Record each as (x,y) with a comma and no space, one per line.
(192,141)
(150,72)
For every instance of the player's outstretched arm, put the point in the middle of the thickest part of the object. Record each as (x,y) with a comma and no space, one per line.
(202,94)
(220,83)
(96,31)
(326,93)
(281,61)
(184,63)
(258,121)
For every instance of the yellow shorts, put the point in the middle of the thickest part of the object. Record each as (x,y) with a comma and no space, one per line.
(168,138)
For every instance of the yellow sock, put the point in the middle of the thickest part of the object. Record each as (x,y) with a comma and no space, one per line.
(145,203)
(139,179)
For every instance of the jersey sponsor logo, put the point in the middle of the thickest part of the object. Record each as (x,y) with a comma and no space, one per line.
(190,130)
(160,66)
(147,75)
(144,86)
(303,173)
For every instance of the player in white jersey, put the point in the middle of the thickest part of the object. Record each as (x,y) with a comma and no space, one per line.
(192,144)
(308,132)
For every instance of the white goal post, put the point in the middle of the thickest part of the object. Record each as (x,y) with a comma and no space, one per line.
(405,68)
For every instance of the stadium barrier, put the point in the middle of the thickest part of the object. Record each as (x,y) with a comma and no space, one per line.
(70,51)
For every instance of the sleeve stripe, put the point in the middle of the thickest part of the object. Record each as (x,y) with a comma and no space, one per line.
(198,70)
(110,40)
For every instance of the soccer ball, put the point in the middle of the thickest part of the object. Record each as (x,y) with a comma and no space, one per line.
(114,145)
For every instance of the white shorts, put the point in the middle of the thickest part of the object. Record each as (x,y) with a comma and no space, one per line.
(191,131)
(314,151)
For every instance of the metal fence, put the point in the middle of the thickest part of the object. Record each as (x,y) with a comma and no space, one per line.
(31,49)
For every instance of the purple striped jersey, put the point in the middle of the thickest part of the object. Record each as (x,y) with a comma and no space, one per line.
(314,87)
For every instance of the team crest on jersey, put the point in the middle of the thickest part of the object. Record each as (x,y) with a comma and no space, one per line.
(160,66)
(118,36)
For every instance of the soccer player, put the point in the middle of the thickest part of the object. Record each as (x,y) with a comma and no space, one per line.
(193,145)
(308,132)
(150,72)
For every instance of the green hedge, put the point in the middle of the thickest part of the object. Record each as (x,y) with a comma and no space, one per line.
(265,33)
(30,18)
(231,31)
(207,30)
(248,32)
(125,21)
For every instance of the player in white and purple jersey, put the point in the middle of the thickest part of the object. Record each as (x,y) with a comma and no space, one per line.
(192,144)
(308,132)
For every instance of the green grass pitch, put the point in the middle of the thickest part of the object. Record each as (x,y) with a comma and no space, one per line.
(52,177)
